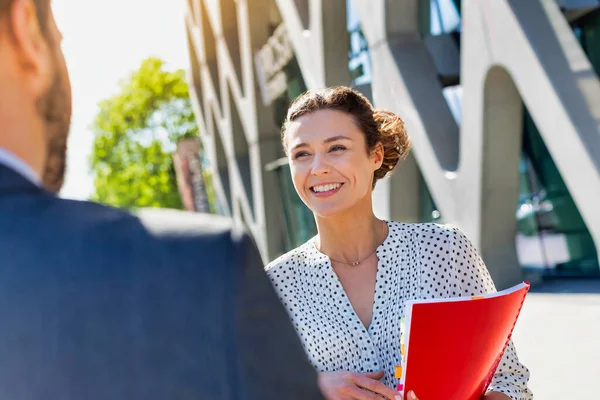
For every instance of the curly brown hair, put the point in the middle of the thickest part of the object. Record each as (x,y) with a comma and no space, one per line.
(379,126)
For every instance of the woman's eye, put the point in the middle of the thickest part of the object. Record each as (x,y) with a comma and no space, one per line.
(300,154)
(337,147)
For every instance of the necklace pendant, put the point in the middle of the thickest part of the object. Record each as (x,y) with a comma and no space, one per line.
(355,263)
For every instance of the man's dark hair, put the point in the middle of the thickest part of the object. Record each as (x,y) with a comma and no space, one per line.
(42,8)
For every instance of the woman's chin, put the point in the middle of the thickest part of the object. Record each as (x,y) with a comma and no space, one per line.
(328,211)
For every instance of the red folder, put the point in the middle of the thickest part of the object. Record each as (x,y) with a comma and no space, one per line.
(452,347)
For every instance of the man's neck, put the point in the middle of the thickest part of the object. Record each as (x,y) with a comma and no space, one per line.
(22,137)
(23,131)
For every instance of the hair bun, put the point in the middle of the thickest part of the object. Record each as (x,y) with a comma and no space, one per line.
(393,138)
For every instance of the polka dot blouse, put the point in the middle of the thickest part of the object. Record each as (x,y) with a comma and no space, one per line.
(416,261)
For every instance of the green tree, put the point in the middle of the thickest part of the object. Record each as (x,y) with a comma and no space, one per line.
(136,131)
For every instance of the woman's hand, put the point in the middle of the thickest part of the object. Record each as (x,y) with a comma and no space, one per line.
(344,385)
(410,396)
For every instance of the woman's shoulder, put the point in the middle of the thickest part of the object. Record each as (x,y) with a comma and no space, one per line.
(294,257)
(432,237)
(422,229)
(448,230)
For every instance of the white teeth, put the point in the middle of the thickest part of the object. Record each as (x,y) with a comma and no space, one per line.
(326,188)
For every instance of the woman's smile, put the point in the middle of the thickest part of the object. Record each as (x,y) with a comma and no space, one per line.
(326,190)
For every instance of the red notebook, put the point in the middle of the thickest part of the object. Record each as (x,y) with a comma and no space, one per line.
(452,347)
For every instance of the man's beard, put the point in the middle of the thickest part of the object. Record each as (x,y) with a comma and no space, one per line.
(54,108)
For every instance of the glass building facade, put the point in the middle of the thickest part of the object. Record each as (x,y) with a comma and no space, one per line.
(551,232)
(299,223)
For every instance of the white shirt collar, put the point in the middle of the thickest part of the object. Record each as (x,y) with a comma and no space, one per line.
(15,163)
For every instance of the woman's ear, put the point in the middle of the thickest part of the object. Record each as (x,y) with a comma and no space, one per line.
(377,155)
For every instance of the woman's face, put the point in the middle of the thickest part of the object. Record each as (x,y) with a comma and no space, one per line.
(331,169)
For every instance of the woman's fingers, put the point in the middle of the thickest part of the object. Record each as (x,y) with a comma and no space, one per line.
(374,375)
(375,386)
(344,385)
(356,393)
(411,396)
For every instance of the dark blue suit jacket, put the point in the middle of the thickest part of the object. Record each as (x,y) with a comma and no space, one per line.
(96,303)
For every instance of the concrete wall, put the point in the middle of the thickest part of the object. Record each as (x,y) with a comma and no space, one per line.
(237,131)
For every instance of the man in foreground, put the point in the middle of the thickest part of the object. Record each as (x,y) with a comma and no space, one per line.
(96,303)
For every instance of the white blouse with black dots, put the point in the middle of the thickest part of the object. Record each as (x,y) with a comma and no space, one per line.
(416,261)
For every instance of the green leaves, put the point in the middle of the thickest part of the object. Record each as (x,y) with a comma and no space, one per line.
(135,133)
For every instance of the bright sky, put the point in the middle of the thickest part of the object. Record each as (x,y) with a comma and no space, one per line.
(103,42)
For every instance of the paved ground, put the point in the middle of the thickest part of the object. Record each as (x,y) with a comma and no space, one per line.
(558,338)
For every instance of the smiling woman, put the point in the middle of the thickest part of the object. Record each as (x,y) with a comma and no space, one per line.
(345,289)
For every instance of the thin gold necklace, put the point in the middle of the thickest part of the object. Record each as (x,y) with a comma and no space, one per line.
(355,263)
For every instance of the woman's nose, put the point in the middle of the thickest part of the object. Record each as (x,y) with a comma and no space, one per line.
(320,166)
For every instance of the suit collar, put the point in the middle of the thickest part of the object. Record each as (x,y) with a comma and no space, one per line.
(18,165)
(12,181)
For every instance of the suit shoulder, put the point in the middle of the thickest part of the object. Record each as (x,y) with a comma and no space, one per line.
(85,228)
(168,221)
(178,225)
(89,214)
(154,224)
(177,219)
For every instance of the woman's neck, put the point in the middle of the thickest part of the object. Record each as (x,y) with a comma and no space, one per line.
(351,237)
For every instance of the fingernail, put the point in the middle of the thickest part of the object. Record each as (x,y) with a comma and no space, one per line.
(411,394)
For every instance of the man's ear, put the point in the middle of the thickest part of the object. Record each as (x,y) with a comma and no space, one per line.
(30,43)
